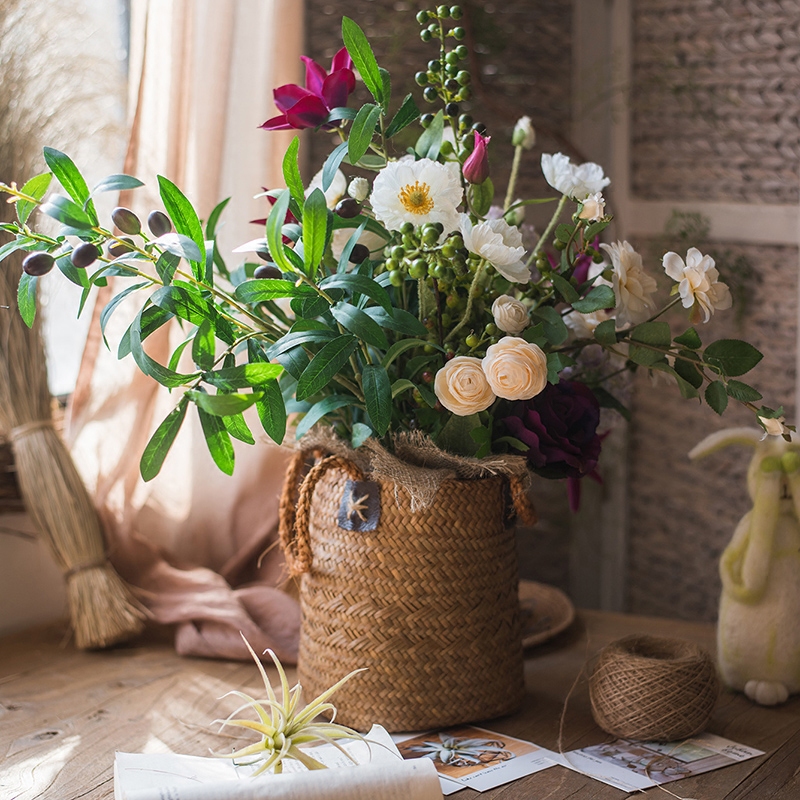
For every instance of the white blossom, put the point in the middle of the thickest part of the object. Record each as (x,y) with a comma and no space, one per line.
(358,189)
(594,207)
(633,287)
(577,182)
(334,193)
(698,283)
(524,134)
(500,244)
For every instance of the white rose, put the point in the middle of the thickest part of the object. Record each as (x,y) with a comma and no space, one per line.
(515,369)
(633,287)
(773,426)
(594,207)
(698,284)
(461,386)
(510,315)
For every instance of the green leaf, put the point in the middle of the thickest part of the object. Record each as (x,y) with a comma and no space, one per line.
(72,273)
(26,298)
(242,376)
(237,427)
(291,171)
(399,320)
(405,115)
(36,187)
(386,82)
(605,333)
(298,338)
(455,436)
(689,339)
(481,196)
(362,131)
(742,392)
(275,232)
(259,290)
(430,141)
(213,218)
(362,325)
(67,213)
(732,356)
(153,318)
(315,230)
(295,362)
(593,230)
(180,245)
(112,304)
(175,358)
(69,176)
(116,183)
(377,397)
(607,400)
(344,259)
(222,405)
(716,396)
(218,441)
(160,373)
(361,433)
(166,265)
(185,220)
(272,412)
(20,243)
(373,226)
(182,303)
(359,284)
(372,161)
(555,363)
(687,366)
(564,232)
(656,334)
(331,165)
(161,441)
(319,410)
(565,289)
(363,58)
(204,346)
(644,356)
(554,327)
(325,364)
(599,297)
(400,347)
(401,385)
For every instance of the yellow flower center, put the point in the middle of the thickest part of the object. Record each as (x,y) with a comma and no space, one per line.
(416,198)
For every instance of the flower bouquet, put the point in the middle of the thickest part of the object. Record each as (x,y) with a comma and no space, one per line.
(415,323)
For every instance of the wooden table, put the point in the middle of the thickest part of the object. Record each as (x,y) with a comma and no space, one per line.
(63,713)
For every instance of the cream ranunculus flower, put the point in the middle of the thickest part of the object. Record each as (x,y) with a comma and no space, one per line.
(419,192)
(698,284)
(515,369)
(461,386)
(577,182)
(500,244)
(633,287)
(594,207)
(510,315)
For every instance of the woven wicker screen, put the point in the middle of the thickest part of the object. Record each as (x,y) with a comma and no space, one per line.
(522,57)
(714,117)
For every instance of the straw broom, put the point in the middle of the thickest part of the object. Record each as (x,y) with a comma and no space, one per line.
(102,609)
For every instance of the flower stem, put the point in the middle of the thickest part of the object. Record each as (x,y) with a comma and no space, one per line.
(473,291)
(512,181)
(548,230)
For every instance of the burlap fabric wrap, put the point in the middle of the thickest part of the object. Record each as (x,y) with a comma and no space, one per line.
(422,590)
(653,688)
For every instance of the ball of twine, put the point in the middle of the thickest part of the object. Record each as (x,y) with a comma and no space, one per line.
(653,689)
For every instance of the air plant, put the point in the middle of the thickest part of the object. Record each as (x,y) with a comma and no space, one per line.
(287,725)
(459,752)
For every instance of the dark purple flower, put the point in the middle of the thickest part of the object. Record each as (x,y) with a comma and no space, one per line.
(559,426)
(476,167)
(309,107)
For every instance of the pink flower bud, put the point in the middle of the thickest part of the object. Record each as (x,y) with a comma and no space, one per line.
(476,167)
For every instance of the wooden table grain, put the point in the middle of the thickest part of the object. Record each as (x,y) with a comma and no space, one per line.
(63,714)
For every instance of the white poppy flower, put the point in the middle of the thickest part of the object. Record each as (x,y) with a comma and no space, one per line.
(577,182)
(633,287)
(419,192)
(698,284)
(500,244)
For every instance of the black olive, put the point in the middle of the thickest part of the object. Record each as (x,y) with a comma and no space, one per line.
(359,254)
(348,208)
(126,220)
(38,264)
(267,271)
(159,223)
(84,255)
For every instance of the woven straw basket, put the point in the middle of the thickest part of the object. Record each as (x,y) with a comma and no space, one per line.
(427,601)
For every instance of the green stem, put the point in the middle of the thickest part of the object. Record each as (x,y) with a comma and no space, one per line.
(548,230)
(473,291)
(512,181)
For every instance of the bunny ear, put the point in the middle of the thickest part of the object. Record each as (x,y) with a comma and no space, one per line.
(716,441)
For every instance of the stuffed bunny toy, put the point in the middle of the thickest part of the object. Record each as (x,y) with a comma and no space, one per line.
(758,633)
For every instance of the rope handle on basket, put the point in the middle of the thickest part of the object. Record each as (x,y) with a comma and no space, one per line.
(524,509)
(295,505)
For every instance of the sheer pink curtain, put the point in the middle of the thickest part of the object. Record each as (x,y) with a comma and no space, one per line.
(198,546)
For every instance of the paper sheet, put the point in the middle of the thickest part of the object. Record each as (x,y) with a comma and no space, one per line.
(380,775)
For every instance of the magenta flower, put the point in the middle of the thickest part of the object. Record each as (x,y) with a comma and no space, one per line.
(476,167)
(307,108)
